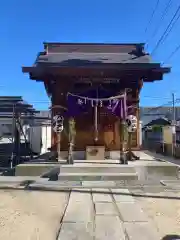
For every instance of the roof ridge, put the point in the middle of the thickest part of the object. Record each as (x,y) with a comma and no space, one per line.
(93,44)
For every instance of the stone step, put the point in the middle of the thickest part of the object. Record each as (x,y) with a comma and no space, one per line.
(157,171)
(171,183)
(98,161)
(34,169)
(98,176)
(14,181)
(96,168)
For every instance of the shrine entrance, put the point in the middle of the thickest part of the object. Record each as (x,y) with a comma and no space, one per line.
(68,70)
(97,120)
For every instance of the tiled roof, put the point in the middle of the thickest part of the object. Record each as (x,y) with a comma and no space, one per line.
(92,47)
(159,121)
(75,59)
(45,114)
(9,103)
(86,54)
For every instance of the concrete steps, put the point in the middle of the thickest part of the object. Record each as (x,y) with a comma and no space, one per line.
(97,176)
(97,172)
(96,168)
(100,170)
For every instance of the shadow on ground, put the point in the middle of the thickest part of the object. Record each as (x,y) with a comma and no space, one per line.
(171,237)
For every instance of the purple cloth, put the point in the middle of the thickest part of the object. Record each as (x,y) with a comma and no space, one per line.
(77,106)
(118,107)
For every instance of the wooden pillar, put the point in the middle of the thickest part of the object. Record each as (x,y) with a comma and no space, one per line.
(72,134)
(129,154)
(123,159)
(59,104)
(140,85)
(120,138)
(138,116)
(138,129)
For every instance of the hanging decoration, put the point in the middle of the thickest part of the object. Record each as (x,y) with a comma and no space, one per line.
(116,104)
(57,123)
(131,121)
(95,98)
(81,100)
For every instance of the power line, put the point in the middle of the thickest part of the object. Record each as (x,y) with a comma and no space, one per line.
(152,15)
(155,97)
(159,107)
(167,7)
(171,103)
(166,30)
(171,28)
(172,54)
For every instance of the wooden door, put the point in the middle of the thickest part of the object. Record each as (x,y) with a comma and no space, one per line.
(108,129)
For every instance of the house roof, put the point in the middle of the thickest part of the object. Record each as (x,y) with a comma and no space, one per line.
(11,98)
(8,104)
(159,121)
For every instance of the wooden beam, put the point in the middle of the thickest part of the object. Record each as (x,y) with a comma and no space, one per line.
(145,71)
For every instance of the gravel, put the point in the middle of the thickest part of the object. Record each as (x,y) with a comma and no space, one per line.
(31,215)
(164,212)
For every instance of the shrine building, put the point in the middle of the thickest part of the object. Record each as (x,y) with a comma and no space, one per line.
(90,74)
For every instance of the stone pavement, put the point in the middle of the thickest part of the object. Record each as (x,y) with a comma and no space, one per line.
(100,214)
(170,159)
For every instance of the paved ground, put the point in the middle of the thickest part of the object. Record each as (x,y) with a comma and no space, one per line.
(115,214)
(138,213)
(162,157)
(164,212)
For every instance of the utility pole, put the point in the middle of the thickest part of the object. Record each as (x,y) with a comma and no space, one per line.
(173,124)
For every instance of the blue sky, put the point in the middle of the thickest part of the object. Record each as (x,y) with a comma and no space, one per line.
(25,25)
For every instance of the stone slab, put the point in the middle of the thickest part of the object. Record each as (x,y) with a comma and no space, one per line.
(152,189)
(157,171)
(98,168)
(105,209)
(20,180)
(97,161)
(101,195)
(122,195)
(95,152)
(140,231)
(101,190)
(79,212)
(97,176)
(171,183)
(73,231)
(10,185)
(68,183)
(99,184)
(54,185)
(140,183)
(83,190)
(108,227)
(33,169)
(131,212)
(77,195)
